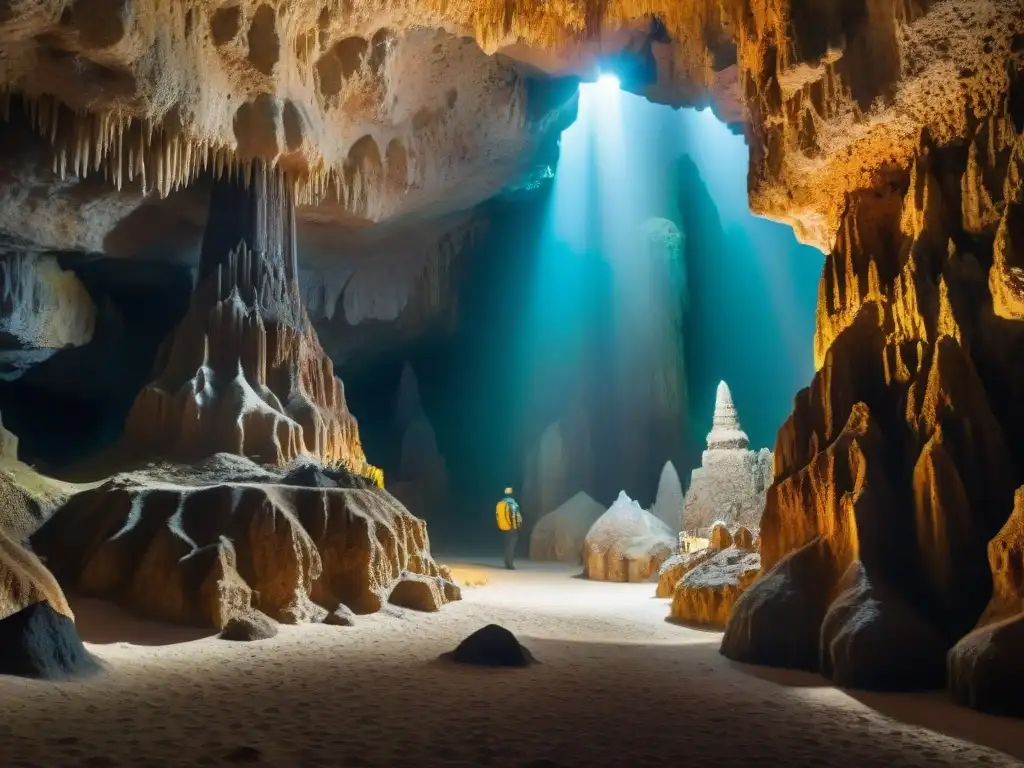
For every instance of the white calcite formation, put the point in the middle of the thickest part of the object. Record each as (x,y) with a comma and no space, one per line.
(627,543)
(668,504)
(730,484)
(559,535)
(43,309)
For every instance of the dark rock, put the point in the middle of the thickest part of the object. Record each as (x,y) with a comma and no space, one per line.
(251,626)
(310,475)
(39,642)
(492,646)
(342,616)
(777,621)
(985,670)
(243,755)
(872,639)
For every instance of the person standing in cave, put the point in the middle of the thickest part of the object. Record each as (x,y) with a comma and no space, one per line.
(509,523)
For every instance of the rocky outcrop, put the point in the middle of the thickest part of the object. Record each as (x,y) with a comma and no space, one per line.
(627,543)
(559,535)
(982,667)
(43,309)
(668,503)
(546,474)
(24,580)
(705,584)
(204,545)
(707,593)
(900,461)
(8,445)
(244,373)
(730,483)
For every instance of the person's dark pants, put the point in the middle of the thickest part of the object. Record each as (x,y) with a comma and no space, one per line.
(511,538)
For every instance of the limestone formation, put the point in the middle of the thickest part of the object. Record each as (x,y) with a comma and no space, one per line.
(422,481)
(668,503)
(43,309)
(559,535)
(627,543)
(705,584)
(204,545)
(899,464)
(707,593)
(729,485)
(24,580)
(244,372)
(983,668)
(8,445)
(248,627)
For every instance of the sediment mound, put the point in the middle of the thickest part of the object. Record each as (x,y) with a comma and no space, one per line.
(491,646)
(207,553)
(627,543)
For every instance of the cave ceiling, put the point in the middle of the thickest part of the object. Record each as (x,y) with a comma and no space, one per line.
(395,114)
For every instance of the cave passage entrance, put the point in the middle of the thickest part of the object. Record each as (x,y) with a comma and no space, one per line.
(651,282)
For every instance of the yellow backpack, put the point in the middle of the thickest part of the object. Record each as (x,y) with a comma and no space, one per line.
(507,517)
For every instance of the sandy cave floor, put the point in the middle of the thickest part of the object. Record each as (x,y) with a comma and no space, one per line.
(617,686)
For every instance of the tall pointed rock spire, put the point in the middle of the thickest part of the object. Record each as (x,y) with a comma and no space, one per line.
(726,432)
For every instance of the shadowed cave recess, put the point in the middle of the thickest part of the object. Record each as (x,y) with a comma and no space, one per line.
(730,295)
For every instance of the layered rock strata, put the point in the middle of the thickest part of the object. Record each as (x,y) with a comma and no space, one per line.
(730,483)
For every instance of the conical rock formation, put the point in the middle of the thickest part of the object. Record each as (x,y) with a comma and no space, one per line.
(730,484)
(627,543)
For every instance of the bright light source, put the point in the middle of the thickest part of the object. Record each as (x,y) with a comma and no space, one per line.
(608,82)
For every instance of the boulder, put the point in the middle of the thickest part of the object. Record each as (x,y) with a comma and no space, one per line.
(627,543)
(872,639)
(559,535)
(39,642)
(248,627)
(491,646)
(777,620)
(984,669)
(707,593)
(342,616)
(420,592)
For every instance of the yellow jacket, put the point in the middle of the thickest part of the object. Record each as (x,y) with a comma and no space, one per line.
(507,514)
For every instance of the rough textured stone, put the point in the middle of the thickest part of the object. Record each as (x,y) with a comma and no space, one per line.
(421,592)
(730,484)
(249,626)
(422,481)
(677,566)
(627,543)
(706,594)
(984,670)
(39,642)
(559,535)
(342,616)
(491,646)
(179,546)
(43,309)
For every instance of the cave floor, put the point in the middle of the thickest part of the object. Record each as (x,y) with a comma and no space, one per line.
(617,686)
